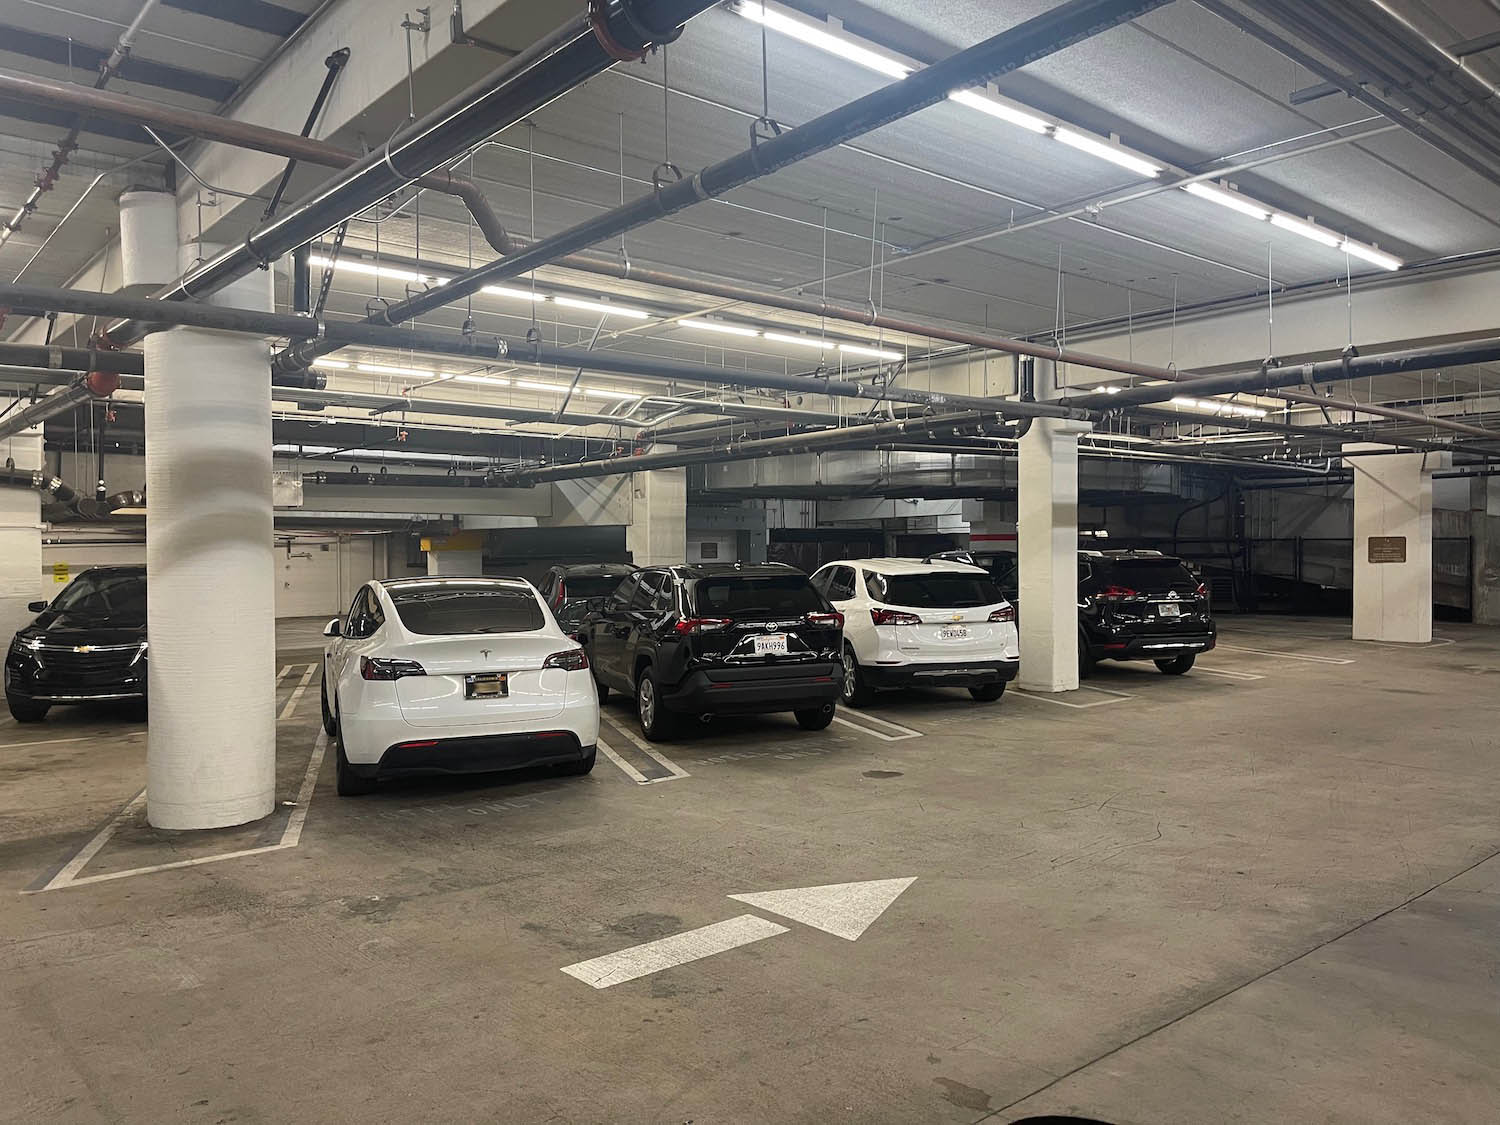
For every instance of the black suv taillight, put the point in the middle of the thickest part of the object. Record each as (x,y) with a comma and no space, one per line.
(827,620)
(690,625)
(382,668)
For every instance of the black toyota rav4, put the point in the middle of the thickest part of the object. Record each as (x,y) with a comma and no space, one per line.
(1141,605)
(717,640)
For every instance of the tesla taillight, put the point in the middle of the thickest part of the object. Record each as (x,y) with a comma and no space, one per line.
(893,617)
(833,620)
(1004,613)
(381,668)
(689,625)
(569,660)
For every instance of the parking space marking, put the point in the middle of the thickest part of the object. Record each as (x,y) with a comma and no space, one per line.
(69,874)
(281,675)
(1047,697)
(873,733)
(651,752)
(907,731)
(1307,656)
(630,771)
(1226,673)
(48,741)
(291,704)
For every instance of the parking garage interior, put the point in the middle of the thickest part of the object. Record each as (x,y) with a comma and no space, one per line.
(936,325)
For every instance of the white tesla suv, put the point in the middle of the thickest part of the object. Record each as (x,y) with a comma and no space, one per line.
(921,622)
(454,675)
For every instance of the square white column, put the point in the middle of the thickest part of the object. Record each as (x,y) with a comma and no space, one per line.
(1047,554)
(657,532)
(1393,544)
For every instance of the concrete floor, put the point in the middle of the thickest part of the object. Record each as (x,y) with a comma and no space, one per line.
(1263,892)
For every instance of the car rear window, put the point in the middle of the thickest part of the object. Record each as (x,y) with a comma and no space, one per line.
(933,591)
(590,585)
(1147,575)
(449,610)
(738,596)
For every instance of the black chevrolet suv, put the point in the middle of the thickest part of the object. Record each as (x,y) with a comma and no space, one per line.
(1141,605)
(730,639)
(87,646)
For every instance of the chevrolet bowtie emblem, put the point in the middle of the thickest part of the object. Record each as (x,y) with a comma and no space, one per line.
(83,648)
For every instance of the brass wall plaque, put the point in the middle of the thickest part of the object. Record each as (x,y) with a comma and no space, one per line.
(1387,548)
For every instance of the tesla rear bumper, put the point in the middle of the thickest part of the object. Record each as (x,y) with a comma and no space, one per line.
(482,753)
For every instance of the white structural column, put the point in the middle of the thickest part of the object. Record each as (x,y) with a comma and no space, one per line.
(1047,552)
(1393,544)
(21,536)
(211,749)
(657,532)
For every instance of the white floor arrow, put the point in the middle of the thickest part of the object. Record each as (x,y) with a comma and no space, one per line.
(843,909)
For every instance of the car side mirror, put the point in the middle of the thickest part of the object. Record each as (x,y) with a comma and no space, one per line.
(35,607)
(333,628)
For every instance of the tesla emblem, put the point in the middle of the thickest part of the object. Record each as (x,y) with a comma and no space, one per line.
(484,652)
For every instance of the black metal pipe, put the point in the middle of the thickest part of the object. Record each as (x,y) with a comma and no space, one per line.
(1037,38)
(335,64)
(301,280)
(583,47)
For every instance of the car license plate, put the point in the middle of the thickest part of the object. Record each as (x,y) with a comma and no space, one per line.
(953,633)
(1169,610)
(771,643)
(487,685)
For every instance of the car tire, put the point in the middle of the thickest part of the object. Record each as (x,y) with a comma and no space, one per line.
(349,783)
(987,693)
(854,690)
(583,765)
(330,724)
(26,710)
(1177,665)
(815,718)
(657,723)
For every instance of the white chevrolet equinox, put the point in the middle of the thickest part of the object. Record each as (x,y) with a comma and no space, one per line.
(454,675)
(921,622)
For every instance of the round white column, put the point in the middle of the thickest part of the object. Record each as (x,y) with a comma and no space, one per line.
(211,611)
(148,239)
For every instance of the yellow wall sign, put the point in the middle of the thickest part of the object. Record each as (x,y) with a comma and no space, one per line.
(59,572)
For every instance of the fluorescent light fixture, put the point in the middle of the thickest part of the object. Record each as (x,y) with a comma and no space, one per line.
(985,104)
(517,294)
(718,326)
(370,269)
(1370,254)
(1106,151)
(1231,199)
(1108,390)
(800,341)
(487,380)
(600,392)
(822,37)
(386,369)
(601,307)
(873,353)
(330,364)
(1215,406)
(550,388)
(1306,230)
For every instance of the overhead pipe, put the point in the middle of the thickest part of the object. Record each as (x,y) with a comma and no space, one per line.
(1392,412)
(591,42)
(841,438)
(48,177)
(243,134)
(33,299)
(91,387)
(1043,35)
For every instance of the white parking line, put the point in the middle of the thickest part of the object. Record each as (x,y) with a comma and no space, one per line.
(291,704)
(630,771)
(46,741)
(1046,697)
(873,733)
(866,716)
(1287,655)
(1226,673)
(667,764)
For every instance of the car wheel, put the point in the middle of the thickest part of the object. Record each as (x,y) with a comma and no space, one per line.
(657,722)
(26,710)
(349,783)
(330,725)
(583,765)
(1177,665)
(987,693)
(853,689)
(815,718)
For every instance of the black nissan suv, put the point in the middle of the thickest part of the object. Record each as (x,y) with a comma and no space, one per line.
(1141,605)
(87,646)
(731,639)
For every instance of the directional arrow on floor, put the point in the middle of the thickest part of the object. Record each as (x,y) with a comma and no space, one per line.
(845,910)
